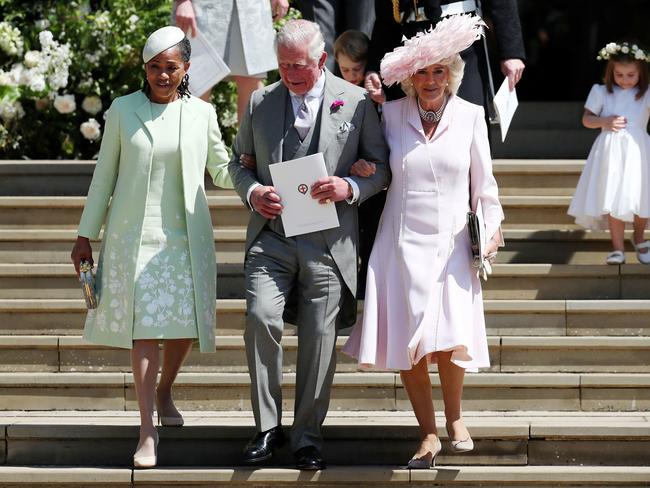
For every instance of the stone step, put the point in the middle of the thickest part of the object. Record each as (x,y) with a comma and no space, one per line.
(523,246)
(537,176)
(543,143)
(341,477)
(586,392)
(40,316)
(351,438)
(227,210)
(560,246)
(22,245)
(508,281)
(72,178)
(526,354)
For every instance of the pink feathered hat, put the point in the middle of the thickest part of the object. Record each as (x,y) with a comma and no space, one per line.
(450,36)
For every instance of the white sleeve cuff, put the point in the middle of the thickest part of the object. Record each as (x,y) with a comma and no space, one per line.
(248,194)
(355,190)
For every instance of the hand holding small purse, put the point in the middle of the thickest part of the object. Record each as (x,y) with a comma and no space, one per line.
(87,280)
(482,262)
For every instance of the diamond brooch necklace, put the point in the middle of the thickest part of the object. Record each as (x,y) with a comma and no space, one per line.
(432,116)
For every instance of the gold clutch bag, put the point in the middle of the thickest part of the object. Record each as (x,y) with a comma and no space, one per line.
(88,284)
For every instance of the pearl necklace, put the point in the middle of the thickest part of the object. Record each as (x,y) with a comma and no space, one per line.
(432,116)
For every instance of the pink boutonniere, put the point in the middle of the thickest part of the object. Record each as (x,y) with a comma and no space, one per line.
(336,104)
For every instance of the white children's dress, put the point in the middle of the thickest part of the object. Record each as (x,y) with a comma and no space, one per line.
(616,176)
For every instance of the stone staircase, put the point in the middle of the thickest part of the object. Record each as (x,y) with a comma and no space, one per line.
(566,401)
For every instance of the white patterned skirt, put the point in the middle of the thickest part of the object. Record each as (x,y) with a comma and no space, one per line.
(164,292)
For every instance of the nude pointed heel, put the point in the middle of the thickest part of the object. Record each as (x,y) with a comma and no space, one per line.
(460,446)
(168,421)
(147,461)
(466,445)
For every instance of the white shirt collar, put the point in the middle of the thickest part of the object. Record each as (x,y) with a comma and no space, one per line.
(316,91)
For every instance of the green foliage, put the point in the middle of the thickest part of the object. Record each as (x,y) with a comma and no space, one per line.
(105,39)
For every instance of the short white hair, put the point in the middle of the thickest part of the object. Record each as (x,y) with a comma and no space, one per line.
(456,67)
(299,33)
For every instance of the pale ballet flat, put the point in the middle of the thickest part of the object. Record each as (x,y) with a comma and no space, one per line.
(168,421)
(643,257)
(147,461)
(422,462)
(615,257)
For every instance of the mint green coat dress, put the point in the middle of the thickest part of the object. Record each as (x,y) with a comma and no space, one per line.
(118,196)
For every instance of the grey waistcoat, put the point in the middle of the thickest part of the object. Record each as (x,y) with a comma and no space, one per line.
(293,148)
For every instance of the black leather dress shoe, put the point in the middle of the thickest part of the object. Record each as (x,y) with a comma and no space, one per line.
(261,446)
(308,458)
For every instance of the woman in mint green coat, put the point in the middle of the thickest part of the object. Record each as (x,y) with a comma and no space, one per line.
(156,277)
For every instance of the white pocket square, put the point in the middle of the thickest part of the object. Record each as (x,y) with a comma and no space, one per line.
(346,127)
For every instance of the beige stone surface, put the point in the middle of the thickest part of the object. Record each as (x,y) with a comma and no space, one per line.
(578,452)
(27,359)
(553,475)
(94,360)
(20,380)
(576,354)
(64,475)
(68,398)
(591,428)
(502,398)
(615,399)
(335,475)
(608,324)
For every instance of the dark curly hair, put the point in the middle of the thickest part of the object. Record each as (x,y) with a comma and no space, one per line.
(183,89)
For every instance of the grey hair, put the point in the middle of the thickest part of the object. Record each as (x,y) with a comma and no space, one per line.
(300,32)
(456,67)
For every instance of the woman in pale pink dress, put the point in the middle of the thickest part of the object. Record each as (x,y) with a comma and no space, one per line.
(423,297)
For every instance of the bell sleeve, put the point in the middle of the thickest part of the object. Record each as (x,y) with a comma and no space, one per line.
(483,185)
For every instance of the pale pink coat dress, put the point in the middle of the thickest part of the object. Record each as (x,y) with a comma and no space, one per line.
(422,293)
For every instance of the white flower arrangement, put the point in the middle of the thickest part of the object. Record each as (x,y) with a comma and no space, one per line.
(11,42)
(10,109)
(43,72)
(6,79)
(32,59)
(86,84)
(103,21)
(92,104)
(64,104)
(37,83)
(91,130)
(42,24)
(613,49)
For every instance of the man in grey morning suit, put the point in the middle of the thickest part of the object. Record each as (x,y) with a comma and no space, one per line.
(312,276)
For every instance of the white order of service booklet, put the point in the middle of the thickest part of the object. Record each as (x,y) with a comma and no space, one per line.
(505,103)
(292,181)
(206,68)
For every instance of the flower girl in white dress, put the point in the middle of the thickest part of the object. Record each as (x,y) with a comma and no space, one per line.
(614,187)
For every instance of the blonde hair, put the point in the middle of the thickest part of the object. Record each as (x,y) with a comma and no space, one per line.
(455,66)
(353,44)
